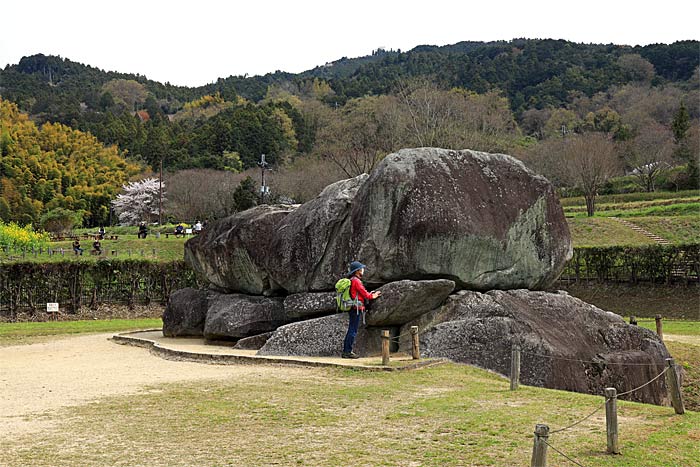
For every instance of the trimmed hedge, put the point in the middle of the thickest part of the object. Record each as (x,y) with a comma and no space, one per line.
(29,286)
(651,263)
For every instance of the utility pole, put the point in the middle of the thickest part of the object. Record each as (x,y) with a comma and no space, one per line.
(160,194)
(263,188)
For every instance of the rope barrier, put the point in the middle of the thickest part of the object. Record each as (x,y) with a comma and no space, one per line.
(582,420)
(645,384)
(587,361)
(569,458)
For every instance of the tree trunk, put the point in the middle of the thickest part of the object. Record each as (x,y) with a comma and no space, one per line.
(590,204)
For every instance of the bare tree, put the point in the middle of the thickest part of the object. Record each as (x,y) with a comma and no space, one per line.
(650,155)
(304,178)
(358,136)
(587,162)
(202,193)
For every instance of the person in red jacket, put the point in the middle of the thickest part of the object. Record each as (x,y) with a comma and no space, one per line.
(360,295)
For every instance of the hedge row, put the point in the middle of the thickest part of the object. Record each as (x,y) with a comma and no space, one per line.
(29,286)
(652,263)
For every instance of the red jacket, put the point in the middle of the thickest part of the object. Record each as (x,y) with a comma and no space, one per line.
(357,290)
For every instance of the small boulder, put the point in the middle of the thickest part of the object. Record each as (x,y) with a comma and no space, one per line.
(305,305)
(230,254)
(185,313)
(321,337)
(403,301)
(253,342)
(235,316)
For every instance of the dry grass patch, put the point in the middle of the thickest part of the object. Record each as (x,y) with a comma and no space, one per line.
(450,415)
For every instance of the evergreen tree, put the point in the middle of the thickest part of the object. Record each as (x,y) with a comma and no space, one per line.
(245,197)
(680,126)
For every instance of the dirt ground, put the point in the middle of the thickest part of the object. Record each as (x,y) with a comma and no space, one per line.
(48,376)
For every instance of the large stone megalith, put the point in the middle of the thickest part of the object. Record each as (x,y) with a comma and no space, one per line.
(483,220)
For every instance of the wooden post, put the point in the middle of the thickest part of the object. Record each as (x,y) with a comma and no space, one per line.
(385,347)
(539,449)
(514,367)
(611,420)
(674,387)
(659,327)
(415,346)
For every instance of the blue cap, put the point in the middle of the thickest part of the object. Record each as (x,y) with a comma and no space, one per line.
(354,267)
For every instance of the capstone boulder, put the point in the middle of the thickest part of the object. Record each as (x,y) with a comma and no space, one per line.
(482,220)
(306,253)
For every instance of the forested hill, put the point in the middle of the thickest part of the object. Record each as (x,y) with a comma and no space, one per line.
(240,117)
(532,72)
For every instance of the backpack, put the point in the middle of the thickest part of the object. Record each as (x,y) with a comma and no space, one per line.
(342,295)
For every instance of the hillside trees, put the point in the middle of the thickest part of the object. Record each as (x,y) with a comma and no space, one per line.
(55,167)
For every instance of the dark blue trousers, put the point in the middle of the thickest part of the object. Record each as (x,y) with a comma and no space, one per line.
(353,325)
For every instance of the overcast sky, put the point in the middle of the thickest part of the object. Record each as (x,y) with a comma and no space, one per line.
(195,42)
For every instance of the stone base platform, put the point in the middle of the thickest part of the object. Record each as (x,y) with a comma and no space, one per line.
(194,349)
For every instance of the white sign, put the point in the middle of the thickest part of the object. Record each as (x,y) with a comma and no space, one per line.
(52,307)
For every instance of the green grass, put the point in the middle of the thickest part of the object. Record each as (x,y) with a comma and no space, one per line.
(684,209)
(631,197)
(600,231)
(127,246)
(30,332)
(451,415)
(632,205)
(680,327)
(676,229)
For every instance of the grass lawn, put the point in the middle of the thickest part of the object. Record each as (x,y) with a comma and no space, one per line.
(676,229)
(681,209)
(126,246)
(31,332)
(673,326)
(602,231)
(450,415)
(632,197)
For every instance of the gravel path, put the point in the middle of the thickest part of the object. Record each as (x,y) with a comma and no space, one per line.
(47,376)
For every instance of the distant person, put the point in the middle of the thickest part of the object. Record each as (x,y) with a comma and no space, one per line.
(97,247)
(197,227)
(101,233)
(143,230)
(76,247)
(179,231)
(360,295)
